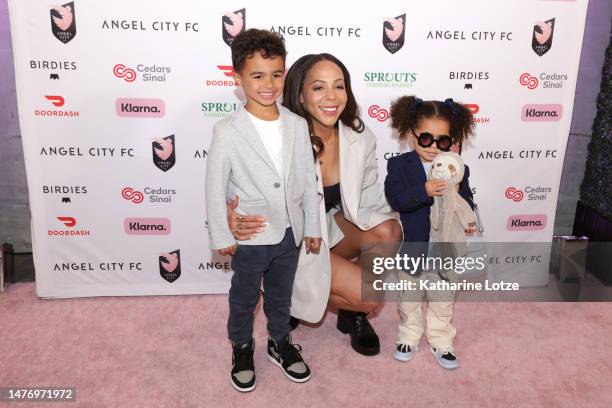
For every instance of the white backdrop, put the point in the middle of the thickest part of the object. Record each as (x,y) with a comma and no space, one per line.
(117,101)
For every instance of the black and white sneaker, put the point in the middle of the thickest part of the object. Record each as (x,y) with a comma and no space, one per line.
(287,356)
(445,357)
(243,369)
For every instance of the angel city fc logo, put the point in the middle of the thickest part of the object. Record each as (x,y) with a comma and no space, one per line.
(63,22)
(543,36)
(233,24)
(394,30)
(164,156)
(170,265)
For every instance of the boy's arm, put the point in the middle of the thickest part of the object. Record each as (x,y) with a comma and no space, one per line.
(402,196)
(312,226)
(218,170)
(464,188)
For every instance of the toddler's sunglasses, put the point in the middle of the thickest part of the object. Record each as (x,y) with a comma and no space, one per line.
(443,142)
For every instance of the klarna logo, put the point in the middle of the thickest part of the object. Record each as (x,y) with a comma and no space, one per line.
(147,226)
(140,108)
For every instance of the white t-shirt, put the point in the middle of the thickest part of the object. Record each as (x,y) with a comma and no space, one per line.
(270,132)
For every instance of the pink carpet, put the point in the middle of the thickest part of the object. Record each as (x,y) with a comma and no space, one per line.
(172,352)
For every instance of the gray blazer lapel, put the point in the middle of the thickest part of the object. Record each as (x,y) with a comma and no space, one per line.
(288,129)
(248,132)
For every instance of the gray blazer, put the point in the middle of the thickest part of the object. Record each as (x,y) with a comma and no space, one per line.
(238,163)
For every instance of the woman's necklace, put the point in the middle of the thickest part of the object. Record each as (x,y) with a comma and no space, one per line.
(331,141)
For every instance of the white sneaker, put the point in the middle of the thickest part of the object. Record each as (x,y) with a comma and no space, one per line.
(445,358)
(404,352)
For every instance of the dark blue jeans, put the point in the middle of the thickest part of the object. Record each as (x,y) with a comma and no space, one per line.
(276,264)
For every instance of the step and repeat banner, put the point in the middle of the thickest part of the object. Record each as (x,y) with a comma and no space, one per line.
(117,100)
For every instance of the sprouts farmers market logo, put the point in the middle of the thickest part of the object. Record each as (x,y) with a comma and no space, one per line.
(70,229)
(53,102)
(146,73)
(389,79)
(63,22)
(218,109)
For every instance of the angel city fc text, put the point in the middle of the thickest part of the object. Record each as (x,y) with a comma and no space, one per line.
(307,31)
(137,25)
(103,266)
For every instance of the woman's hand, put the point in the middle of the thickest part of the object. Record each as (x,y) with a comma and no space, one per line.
(312,245)
(228,251)
(243,227)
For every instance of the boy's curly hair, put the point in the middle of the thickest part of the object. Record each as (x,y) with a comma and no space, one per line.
(407,111)
(248,42)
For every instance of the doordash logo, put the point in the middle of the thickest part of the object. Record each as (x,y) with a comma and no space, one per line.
(228,72)
(57,101)
(69,224)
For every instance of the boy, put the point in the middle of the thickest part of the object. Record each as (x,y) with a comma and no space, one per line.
(262,153)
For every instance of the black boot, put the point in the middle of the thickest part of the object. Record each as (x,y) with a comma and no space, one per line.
(363,337)
(293,323)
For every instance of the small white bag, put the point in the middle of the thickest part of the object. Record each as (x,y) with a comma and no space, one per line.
(476,248)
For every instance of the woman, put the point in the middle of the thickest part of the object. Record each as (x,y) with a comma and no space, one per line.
(353,207)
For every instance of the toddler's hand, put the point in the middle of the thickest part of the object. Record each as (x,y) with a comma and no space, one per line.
(470,230)
(435,187)
(228,251)
(312,245)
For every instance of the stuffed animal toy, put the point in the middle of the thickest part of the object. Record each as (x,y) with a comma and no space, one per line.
(450,214)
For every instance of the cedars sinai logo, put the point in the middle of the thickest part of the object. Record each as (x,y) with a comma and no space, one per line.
(378,113)
(394,31)
(63,22)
